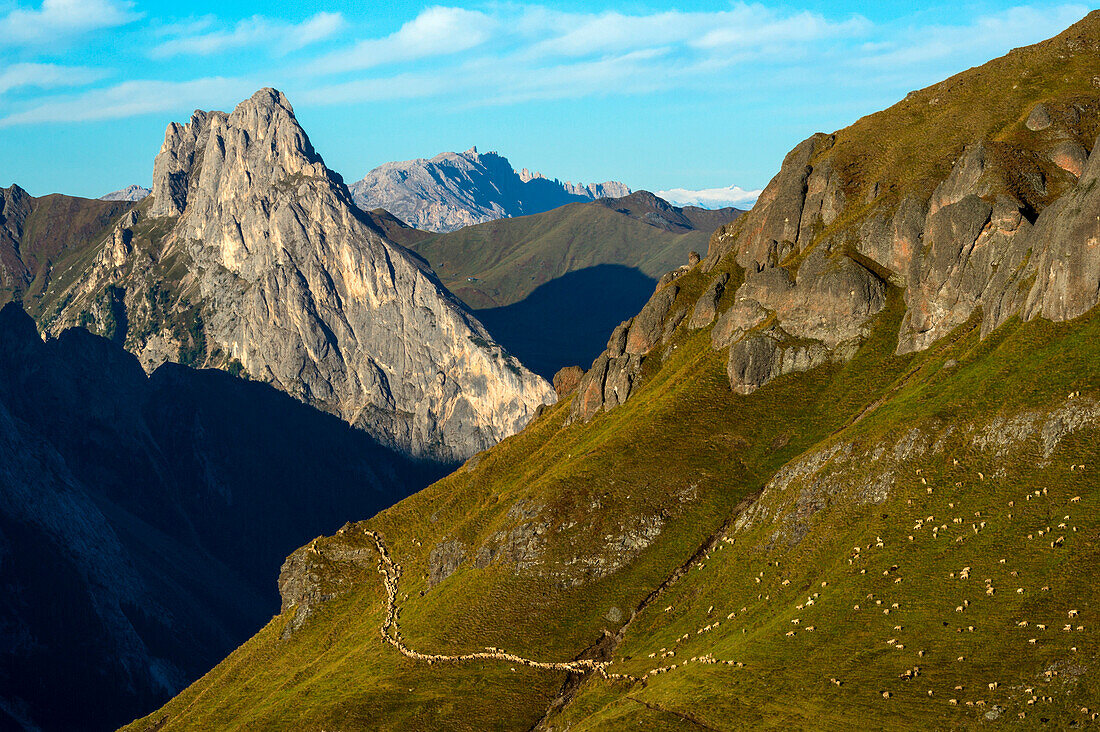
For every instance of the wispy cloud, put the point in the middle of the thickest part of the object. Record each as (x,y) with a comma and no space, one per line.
(1015,26)
(744,26)
(512,53)
(711,197)
(60,21)
(132,98)
(436,31)
(46,76)
(255,31)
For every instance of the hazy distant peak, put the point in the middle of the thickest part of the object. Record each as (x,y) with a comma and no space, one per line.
(129,193)
(453,190)
(711,197)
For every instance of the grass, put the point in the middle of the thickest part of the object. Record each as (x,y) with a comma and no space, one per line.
(510,258)
(856,447)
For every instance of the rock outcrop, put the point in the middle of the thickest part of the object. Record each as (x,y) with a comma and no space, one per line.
(1007,225)
(252,257)
(453,190)
(567,379)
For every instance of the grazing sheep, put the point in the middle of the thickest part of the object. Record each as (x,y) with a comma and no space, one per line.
(1072,613)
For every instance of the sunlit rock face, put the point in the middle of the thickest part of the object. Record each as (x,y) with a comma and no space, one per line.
(298,288)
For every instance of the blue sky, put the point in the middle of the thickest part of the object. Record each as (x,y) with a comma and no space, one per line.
(700,95)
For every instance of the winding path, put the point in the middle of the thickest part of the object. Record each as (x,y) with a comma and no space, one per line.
(391,574)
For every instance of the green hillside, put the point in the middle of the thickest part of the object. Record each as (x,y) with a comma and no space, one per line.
(508,259)
(884,541)
(45,235)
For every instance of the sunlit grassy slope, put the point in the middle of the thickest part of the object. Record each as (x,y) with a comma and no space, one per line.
(804,493)
(510,258)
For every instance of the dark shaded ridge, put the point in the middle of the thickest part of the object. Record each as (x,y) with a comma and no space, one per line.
(143,519)
(565,322)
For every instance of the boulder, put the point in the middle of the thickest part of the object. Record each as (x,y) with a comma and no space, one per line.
(567,380)
(707,305)
(1039,119)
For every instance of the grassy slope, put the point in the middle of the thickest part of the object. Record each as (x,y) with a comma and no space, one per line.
(512,257)
(684,435)
(632,459)
(786,680)
(57,232)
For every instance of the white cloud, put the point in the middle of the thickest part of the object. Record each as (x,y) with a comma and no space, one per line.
(46,76)
(711,197)
(257,30)
(987,34)
(133,98)
(744,26)
(436,31)
(58,21)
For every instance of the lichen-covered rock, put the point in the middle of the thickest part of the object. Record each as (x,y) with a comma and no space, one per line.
(707,306)
(444,558)
(1039,119)
(645,331)
(567,380)
(757,359)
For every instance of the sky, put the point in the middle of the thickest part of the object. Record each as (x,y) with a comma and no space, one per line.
(702,99)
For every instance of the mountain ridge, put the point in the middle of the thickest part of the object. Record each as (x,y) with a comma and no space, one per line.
(251,255)
(453,190)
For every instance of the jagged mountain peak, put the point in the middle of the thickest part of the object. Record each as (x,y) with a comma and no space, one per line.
(453,190)
(132,192)
(269,267)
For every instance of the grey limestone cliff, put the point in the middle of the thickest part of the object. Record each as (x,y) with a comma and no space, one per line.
(251,256)
(453,190)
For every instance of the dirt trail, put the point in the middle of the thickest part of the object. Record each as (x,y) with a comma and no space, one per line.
(391,574)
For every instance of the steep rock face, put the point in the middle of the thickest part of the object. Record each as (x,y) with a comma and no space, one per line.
(15,207)
(453,190)
(1004,224)
(277,273)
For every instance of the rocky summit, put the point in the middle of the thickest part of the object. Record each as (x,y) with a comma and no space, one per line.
(251,256)
(453,190)
(129,193)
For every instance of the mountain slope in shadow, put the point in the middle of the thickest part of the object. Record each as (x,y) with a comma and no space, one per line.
(565,322)
(142,519)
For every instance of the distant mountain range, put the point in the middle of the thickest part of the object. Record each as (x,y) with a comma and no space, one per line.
(129,193)
(453,190)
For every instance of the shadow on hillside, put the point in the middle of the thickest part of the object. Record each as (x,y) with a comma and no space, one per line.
(143,519)
(568,320)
